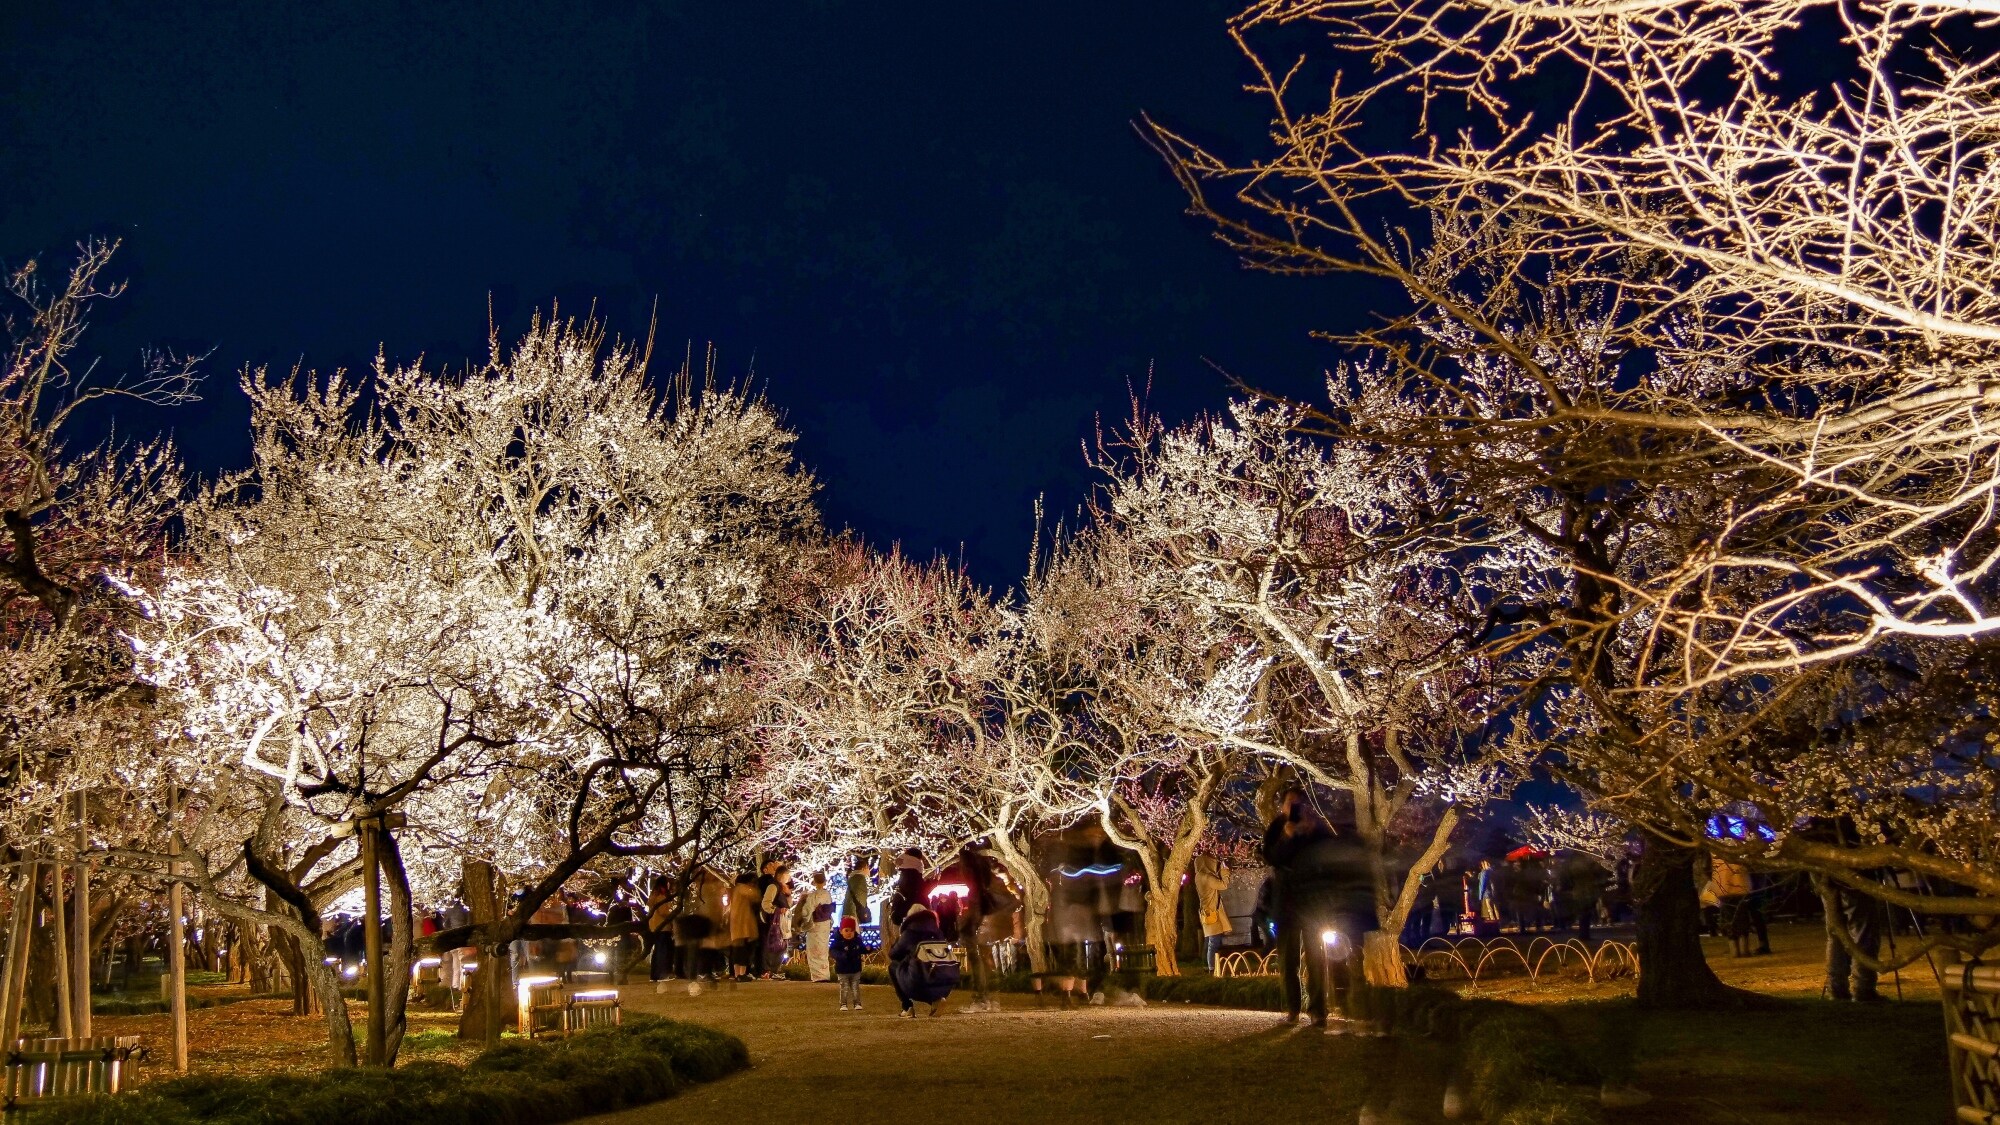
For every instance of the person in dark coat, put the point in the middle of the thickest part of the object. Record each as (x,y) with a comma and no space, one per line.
(906,976)
(660,929)
(1583,881)
(1324,903)
(1261,916)
(767,878)
(908,890)
(1293,831)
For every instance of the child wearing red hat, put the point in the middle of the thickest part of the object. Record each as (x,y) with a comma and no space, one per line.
(847,952)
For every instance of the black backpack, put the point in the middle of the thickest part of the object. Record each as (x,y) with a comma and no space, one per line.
(938,964)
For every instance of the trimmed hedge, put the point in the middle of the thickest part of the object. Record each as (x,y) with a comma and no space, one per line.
(518,1082)
(1260,994)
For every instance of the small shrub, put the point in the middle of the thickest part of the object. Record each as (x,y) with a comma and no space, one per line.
(516,1082)
(1520,1067)
(436,1039)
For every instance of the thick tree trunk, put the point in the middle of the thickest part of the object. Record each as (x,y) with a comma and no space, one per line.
(105,911)
(1163,900)
(294,960)
(1034,902)
(498,1009)
(885,863)
(209,943)
(1035,926)
(1382,959)
(1163,928)
(260,968)
(485,1012)
(43,967)
(1673,972)
(1382,950)
(326,986)
(402,946)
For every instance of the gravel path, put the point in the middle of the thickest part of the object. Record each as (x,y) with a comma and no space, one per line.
(1157,1064)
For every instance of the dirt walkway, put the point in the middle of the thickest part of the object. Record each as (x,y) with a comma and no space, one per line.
(1162,1063)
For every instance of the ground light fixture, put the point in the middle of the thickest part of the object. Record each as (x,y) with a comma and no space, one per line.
(523,993)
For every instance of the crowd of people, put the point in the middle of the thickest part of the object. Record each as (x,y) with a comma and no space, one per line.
(960,923)
(711,929)
(1528,891)
(939,928)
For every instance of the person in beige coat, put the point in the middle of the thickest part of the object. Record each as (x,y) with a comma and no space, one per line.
(1211,878)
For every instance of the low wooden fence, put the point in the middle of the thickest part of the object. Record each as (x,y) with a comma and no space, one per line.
(48,1068)
(1972,1035)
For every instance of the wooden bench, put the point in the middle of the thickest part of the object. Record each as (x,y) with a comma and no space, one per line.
(1133,959)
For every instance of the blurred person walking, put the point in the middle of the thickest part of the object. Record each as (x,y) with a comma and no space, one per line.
(702,927)
(1859,919)
(1263,924)
(1582,886)
(1289,842)
(1335,876)
(660,930)
(1736,897)
(986,902)
(746,934)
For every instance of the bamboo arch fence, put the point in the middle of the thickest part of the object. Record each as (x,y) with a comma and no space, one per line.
(1474,959)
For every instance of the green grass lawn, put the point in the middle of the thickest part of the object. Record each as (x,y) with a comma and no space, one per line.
(1799,1061)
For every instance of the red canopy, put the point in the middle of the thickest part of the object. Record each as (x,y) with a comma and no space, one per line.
(1526,851)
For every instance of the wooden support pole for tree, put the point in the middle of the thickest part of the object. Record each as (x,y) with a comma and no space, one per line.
(377,1046)
(177,942)
(79,961)
(15,992)
(65,1008)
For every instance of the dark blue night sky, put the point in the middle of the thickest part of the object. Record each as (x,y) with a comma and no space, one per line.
(931,229)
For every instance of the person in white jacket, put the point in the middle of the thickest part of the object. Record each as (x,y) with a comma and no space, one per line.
(818,911)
